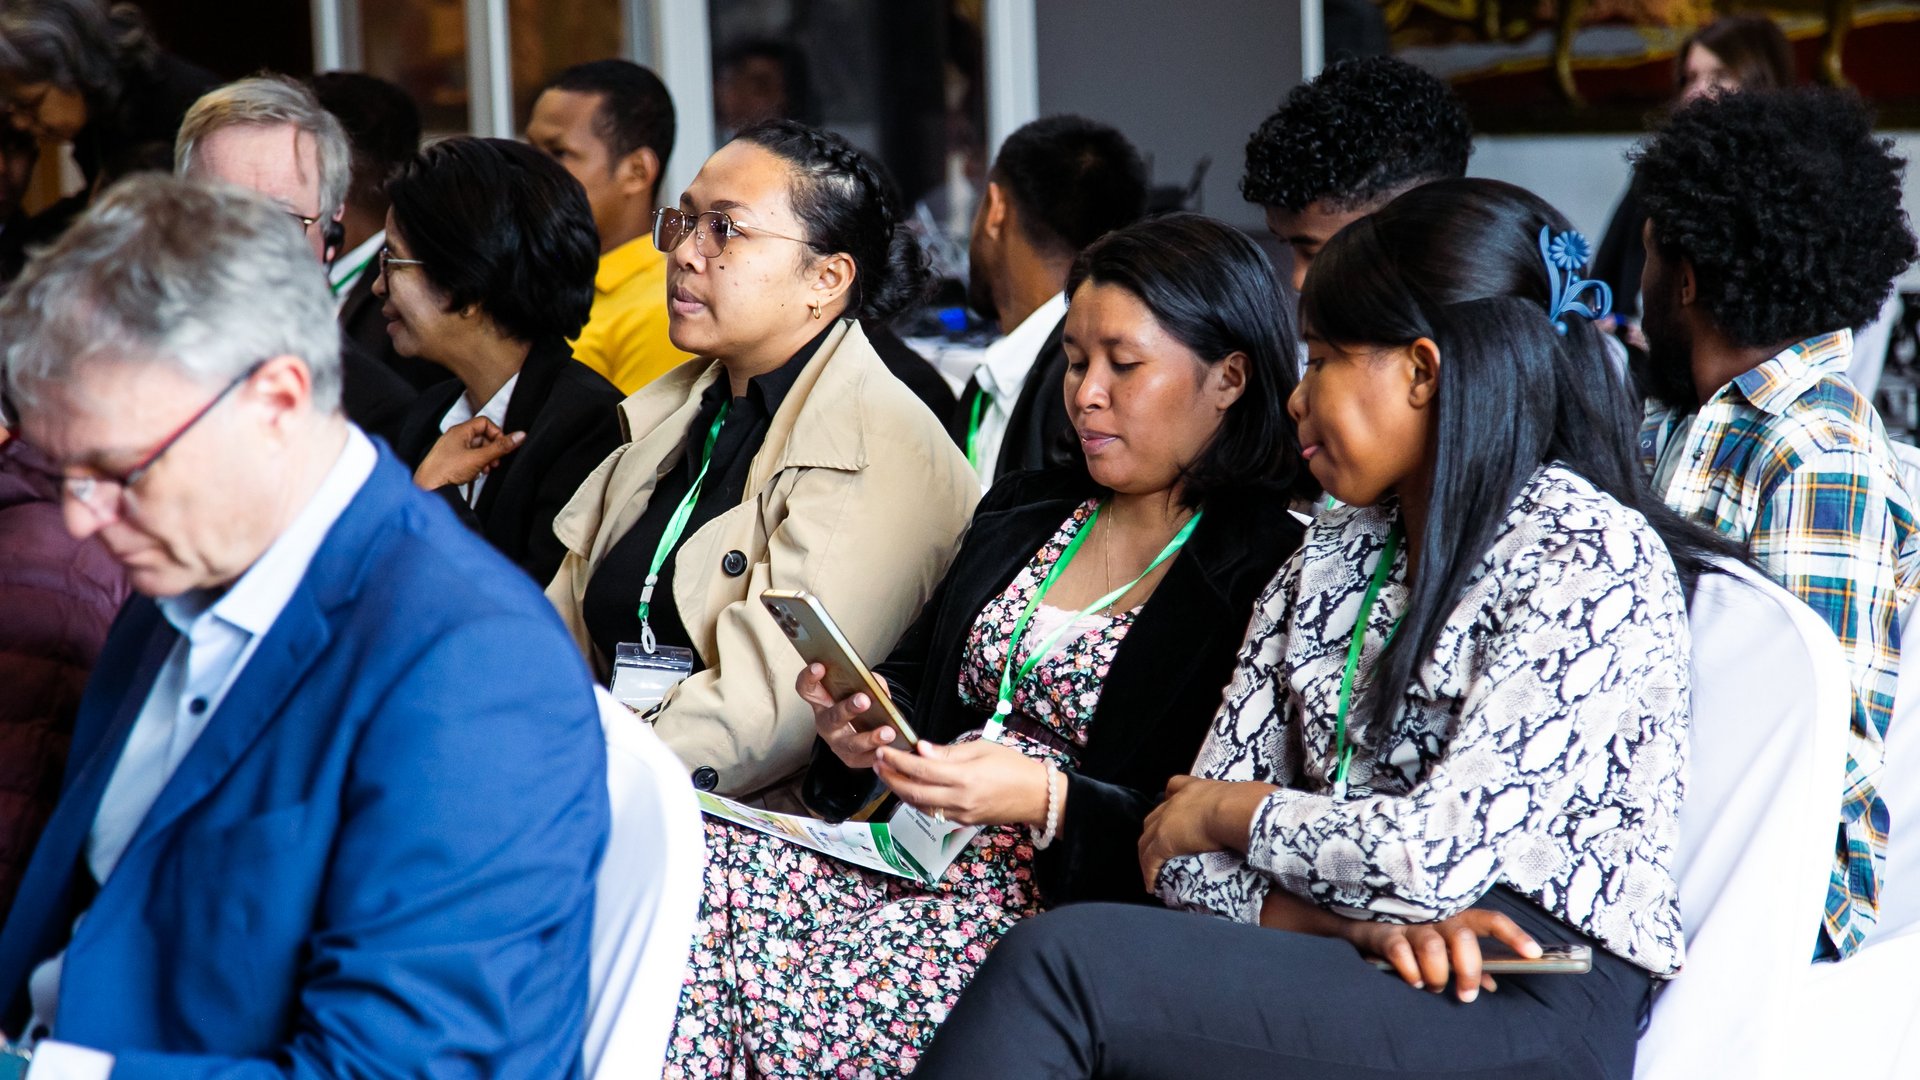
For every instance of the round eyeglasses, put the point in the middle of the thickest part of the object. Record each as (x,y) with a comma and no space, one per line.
(105,493)
(710,231)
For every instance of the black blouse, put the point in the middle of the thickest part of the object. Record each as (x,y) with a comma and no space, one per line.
(612,602)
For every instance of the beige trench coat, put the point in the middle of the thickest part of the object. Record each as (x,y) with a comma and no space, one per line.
(858,495)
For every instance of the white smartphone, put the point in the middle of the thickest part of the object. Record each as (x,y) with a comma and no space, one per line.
(805,621)
(1498,959)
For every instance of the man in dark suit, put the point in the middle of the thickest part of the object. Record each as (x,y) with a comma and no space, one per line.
(337,794)
(383,127)
(1058,184)
(270,134)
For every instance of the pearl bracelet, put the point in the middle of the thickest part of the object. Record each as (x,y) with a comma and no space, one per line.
(1046,837)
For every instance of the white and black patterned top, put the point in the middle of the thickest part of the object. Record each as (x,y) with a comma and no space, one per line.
(1542,745)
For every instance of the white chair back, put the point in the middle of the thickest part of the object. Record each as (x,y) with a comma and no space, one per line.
(1899,781)
(1771,703)
(646,903)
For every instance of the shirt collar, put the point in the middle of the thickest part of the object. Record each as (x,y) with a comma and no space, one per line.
(1779,382)
(769,389)
(624,263)
(1003,370)
(495,409)
(257,598)
(347,268)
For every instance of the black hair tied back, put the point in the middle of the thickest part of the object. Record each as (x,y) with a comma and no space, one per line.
(848,204)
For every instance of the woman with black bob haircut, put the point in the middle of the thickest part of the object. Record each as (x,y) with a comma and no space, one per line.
(1461,711)
(1064,670)
(784,457)
(487,272)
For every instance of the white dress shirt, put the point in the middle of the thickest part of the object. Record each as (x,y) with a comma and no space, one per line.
(1002,372)
(348,269)
(218,634)
(495,410)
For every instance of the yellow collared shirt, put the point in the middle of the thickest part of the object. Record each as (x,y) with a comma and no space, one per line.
(625,338)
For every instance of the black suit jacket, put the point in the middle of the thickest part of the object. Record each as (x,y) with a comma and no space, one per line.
(362,322)
(370,395)
(571,417)
(911,368)
(1161,692)
(1039,434)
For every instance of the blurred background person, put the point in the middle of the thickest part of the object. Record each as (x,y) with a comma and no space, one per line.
(58,595)
(87,73)
(790,459)
(383,128)
(1057,185)
(761,79)
(270,135)
(487,270)
(19,153)
(1738,52)
(610,124)
(1182,364)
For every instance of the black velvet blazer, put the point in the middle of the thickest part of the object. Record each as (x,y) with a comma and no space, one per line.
(1161,692)
(571,417)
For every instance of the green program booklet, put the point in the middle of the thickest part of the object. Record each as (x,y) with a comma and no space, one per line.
(909,844)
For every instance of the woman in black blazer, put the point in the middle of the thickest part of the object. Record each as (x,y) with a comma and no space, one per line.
(1163,687)
(1121,589)
(488,270)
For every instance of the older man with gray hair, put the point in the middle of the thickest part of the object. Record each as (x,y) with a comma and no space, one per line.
(312,826)
(270,134)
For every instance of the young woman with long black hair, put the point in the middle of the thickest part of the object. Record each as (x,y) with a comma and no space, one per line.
(1461,710)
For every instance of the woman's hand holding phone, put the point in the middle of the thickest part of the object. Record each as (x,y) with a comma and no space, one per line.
(1428,955)
(834,720)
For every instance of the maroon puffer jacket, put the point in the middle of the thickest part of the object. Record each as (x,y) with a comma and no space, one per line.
(57,597)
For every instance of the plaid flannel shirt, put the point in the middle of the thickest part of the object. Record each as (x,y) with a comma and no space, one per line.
(1791,461)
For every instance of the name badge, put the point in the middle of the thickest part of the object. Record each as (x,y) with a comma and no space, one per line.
(642,679)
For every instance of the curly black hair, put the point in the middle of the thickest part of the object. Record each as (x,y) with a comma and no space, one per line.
(1787,206)
(1360,133)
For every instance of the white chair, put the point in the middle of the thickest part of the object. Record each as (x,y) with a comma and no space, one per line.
(647,901)
(1771,701)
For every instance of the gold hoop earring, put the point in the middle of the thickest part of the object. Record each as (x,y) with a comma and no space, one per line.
(816,311)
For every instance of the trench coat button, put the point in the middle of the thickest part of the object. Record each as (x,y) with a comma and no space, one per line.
(705,778)
(734,563)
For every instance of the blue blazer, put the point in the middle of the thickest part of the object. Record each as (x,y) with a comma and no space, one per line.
(379,857)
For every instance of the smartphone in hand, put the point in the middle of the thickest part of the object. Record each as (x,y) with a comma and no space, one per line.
(804,619)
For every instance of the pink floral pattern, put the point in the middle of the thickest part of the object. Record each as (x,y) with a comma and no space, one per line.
(804,966)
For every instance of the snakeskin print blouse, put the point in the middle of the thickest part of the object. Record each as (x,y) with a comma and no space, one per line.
(1541,745)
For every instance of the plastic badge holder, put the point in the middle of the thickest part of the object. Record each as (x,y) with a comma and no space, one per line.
(642,679)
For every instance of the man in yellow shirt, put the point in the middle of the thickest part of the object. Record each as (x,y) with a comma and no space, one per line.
(610,123)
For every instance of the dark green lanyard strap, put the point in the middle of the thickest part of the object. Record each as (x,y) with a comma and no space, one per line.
(676,525)
(1343,753)
(1008,679)
(973,425)
(347,281)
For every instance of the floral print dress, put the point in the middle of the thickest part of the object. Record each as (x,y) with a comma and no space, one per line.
(805,966)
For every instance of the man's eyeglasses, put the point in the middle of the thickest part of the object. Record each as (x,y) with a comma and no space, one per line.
(306,222)
(101,493)
(388,260)
(710,231)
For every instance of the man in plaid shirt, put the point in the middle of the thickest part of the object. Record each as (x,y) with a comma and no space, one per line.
(1774,226)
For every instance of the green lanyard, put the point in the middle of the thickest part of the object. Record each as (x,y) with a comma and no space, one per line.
(676,525)
(349,280)
(1343,753)
(1008,680)
(973,427)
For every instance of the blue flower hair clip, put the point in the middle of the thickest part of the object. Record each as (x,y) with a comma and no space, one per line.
(1566,255)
